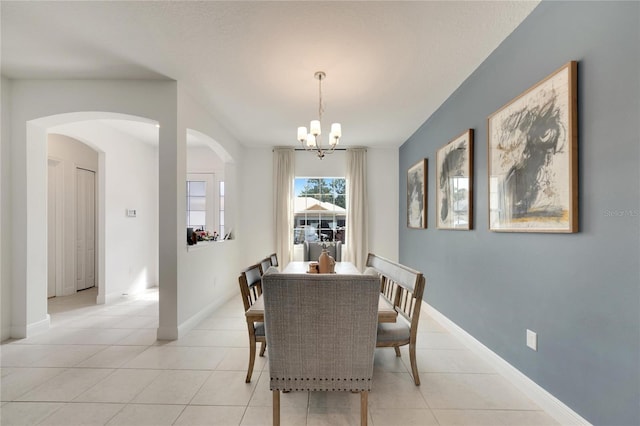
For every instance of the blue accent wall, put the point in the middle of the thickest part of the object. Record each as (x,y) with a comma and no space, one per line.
(580,292)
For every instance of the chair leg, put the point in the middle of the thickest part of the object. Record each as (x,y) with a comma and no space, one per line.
(263,346)
(397,348)
(252,352)
(414,364)
(276,408)
(364,407)
(252,357)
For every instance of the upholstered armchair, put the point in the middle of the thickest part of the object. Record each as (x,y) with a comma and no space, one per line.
(321,331)
(312,250)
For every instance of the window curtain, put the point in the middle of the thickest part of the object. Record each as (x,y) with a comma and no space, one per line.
(357,241)
(283,177)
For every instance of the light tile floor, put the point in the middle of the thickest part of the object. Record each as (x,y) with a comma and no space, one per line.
(102,365)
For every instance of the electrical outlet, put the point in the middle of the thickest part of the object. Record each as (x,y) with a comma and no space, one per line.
(532,340)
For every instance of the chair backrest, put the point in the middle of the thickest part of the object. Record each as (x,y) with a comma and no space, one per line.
(264,265)
(321,330)
(250,281)
(401,285)
(312,250)
(274,259)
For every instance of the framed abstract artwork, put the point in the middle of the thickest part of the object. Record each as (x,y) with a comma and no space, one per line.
(417,195)
(533,156)
(454,183)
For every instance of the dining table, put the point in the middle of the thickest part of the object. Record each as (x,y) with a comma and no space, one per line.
(297,267)
(386,311)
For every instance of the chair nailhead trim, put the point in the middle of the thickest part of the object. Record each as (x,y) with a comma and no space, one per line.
(320,378)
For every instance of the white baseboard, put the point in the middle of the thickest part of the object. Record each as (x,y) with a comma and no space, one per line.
(549,403)
(22,332)
(5,333)
(167,333)
(174,333)
(117,296)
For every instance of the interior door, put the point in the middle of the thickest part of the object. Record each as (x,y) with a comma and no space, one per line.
(85,229)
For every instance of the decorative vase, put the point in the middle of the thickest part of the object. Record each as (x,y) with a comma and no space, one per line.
(326,263)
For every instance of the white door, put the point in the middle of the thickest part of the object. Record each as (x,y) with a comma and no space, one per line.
(85,229)
(53,255)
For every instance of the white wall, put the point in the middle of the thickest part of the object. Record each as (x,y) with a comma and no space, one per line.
(257,197)
(203,160)
(257,230)
(131,245)
(70,154)
(207,274)
(332,165)
(5,211)
(382,182)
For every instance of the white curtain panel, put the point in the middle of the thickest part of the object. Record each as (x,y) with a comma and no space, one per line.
(357,241)
(283,177)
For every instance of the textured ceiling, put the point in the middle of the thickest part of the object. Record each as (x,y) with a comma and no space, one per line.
(389,65)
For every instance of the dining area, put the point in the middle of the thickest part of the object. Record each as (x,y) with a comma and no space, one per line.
(322,322)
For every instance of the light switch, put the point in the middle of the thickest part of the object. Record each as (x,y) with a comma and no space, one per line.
(131,213)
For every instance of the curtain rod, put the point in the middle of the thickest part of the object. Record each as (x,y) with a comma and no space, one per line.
(337,149)
(313,150)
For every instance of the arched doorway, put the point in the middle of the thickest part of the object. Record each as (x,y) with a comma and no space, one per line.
(33,263)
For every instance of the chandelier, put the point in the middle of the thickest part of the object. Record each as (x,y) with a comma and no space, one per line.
(311,141)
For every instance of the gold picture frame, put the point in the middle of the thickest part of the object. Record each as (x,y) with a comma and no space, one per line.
(417,195)
(454,183)
(533,158)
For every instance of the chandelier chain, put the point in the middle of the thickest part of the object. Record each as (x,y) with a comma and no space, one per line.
(320,106)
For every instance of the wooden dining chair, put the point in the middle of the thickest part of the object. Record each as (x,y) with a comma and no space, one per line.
(264,265)
(274,259)
(321,333)
(250,281)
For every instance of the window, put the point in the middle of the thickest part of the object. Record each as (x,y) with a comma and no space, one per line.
(196,204)
(201,201)
(319,209)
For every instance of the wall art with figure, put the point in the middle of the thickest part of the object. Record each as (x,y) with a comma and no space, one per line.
(533,173)
(417,195)
(454,183)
